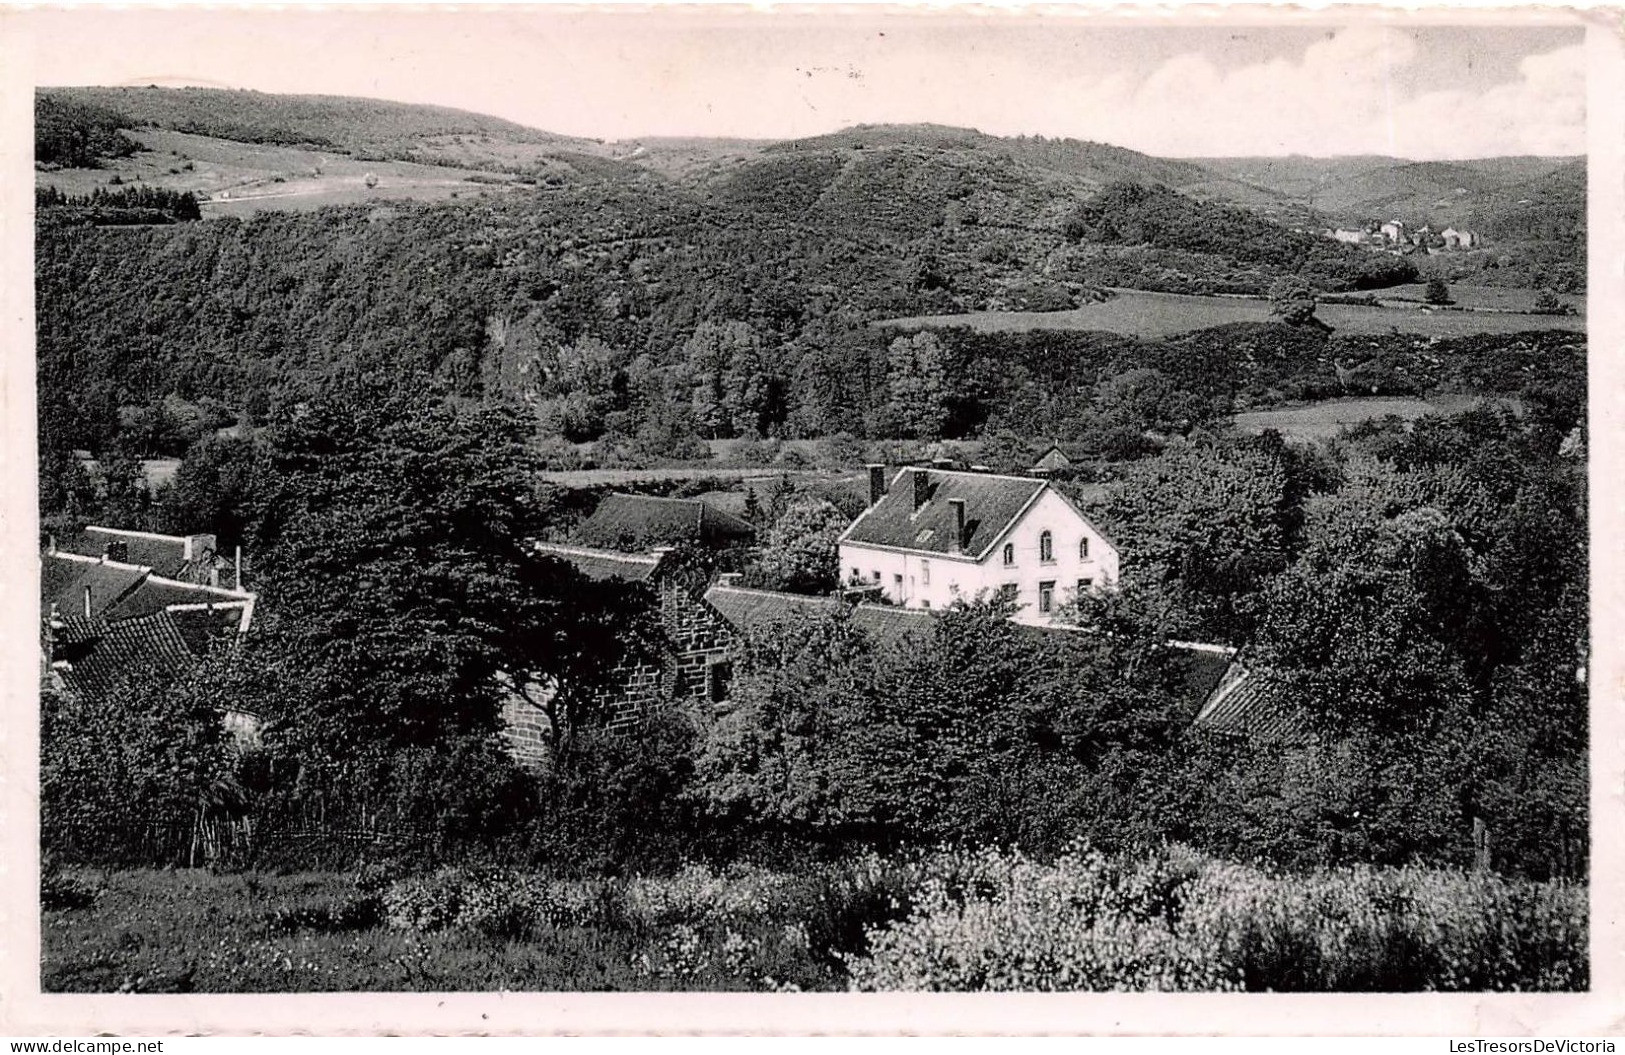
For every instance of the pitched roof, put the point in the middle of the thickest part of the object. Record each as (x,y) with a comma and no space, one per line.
(64,579)
(1201,669)
(752,611)
(164,554)
(105,653)
(992,504)
(634,522)
(1249,704)
(154,594)
(601,564)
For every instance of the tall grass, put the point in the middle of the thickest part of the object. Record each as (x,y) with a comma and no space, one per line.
(953,920)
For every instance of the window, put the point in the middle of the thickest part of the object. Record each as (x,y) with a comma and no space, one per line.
(1009,554)
(1046,548)
(897,581)
(1009,591)
(1085,586)
(1083,548)
(876,574)
(1046,597)
(925,604)
(719,677)
(925,572)
(856,575)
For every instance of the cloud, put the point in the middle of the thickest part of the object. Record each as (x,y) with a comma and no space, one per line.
(1347,94)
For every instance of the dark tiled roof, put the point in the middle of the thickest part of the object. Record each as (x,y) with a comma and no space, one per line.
(1200,670)
(636,522)
(1053,458)
(1251,705)
(149,644)
(602,564)
(752,611)
(64,579)
(164,554)
(891,625)
(202,627)
(992,503)
(155,594)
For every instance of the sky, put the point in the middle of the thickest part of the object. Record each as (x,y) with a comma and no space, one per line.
(1405,88)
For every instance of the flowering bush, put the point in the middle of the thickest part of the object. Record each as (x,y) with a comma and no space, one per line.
(1179,921)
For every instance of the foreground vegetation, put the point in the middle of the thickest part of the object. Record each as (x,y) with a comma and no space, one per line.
(948,920)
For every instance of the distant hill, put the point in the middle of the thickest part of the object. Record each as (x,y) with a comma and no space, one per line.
(369,129)
(1355,190)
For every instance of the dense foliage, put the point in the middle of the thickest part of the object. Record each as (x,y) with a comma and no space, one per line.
(946,920)
(73,134)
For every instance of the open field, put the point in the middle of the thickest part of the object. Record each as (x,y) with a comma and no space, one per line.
(244,178)
(1329,417)
(1493,298)
(599,477)
(1154,315)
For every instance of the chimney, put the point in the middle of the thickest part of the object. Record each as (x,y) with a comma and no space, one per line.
(922,488)
(239,580)
(87,602)
(958,506)
(118,550)
(877,483)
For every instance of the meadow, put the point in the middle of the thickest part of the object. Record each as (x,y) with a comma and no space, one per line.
(243,178)
(1327,418)
(1138,313)
(959,920)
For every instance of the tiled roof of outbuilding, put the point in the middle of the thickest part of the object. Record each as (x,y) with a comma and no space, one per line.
(602,564)
(1249,704)
(164,554)
(64,580)
(148,644)
(752,611)
(636,522)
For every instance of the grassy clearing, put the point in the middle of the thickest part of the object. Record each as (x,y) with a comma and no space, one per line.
(951,920)
(1325,419)
(1493,298)
(1138,313)
(260,176)
(599,477)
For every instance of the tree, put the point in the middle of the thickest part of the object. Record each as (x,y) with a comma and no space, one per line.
(1294,303)
(798,552)
(391,531)
(1437,292)
(916,386)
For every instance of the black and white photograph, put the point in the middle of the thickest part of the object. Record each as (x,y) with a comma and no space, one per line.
(718,501)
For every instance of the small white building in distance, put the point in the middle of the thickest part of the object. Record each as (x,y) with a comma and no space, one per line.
(931,537)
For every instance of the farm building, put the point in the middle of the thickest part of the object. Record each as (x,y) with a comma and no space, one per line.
(931,537)
(185,558)
(105,618)
(637,523)
(693,660)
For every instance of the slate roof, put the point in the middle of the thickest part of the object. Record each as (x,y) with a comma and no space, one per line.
(64,579)
(104,653)
(155,594)
(1201,669)
(164,554)
(752,611)
(598,564)
(637,522)
(1250,705)
(992,504)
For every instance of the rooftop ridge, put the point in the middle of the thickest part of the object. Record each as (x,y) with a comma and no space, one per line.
(85,558)
(760,592)
(589,551)
(179,539)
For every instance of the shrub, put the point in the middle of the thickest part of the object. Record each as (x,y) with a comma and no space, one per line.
(1176,921)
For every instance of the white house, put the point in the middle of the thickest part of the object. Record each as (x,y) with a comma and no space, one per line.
(932,537)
